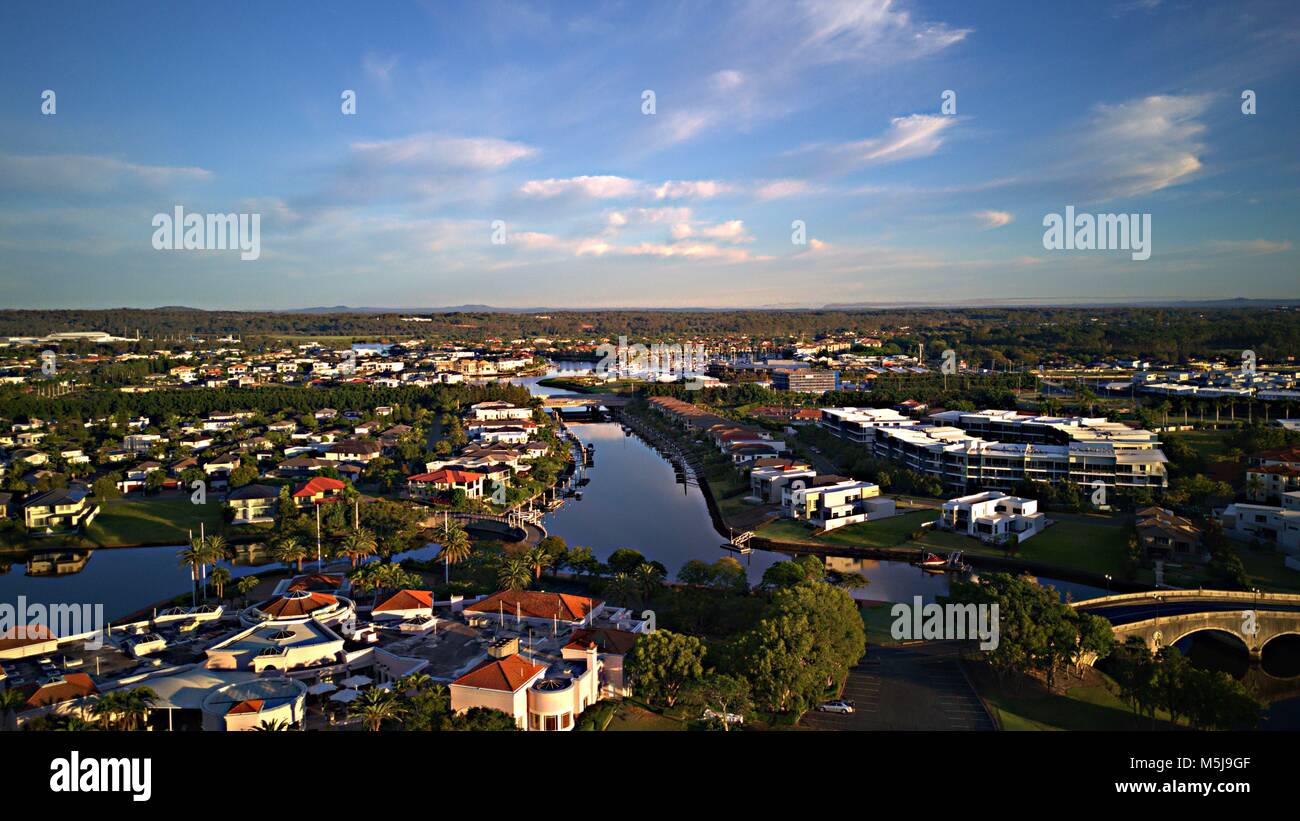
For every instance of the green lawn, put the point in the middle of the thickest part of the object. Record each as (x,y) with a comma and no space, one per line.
(632,716)
(1024,704)
(1100,546)
(1208,443)
(889,532)
(878,622)
(144,521)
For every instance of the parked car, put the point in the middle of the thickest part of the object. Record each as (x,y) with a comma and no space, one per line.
(839,706)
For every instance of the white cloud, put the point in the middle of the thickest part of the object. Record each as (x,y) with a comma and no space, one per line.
(916,135)
(729,231)
(780,189)
(1145,145)
(852,29)
(438,152)
(727,80)
(1252,246)
(690,189)
(91,173)
(597,187)
(995,219)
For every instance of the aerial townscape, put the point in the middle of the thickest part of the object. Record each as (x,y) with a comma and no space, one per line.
(453,377)
(462,523)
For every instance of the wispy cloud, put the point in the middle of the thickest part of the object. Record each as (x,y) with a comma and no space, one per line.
(435,151)
(1144,145)
(994,219)
(910,137)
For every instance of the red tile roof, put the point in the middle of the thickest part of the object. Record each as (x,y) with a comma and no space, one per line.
(320,484)
(606,639)
(508,674)
(447,477)
(253,705)
(536,604)
(289,607)
(405,600)
(74,685)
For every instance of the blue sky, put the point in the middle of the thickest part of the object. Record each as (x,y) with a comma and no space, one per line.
(531,114)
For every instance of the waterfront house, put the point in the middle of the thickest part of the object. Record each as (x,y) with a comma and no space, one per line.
(253,504)
(61,509)
(447,480)
(992,516)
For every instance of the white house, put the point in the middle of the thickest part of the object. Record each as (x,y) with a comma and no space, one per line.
(993,516)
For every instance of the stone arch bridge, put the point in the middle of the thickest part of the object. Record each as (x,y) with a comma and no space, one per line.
(1163,617)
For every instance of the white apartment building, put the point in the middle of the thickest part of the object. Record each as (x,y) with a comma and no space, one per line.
(1082,450)
(859,424)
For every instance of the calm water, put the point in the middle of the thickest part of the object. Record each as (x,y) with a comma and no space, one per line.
(123,580)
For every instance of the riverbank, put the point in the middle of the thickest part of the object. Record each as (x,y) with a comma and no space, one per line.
(903,549)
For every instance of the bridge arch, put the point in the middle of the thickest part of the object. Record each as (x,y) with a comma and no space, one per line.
(1173,636)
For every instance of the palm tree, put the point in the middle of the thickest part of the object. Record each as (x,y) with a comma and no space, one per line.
(220,578)
(110,708)
(622,588)
(376,706)
(268,726)
(359,544)
(539,559)
(647,579)
(515,574)
(456,546)
(289,550)
(192,557)
(414,682)
(10,701)
(245,586)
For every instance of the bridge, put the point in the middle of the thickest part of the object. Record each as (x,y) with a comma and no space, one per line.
(578,400)
(1162,618)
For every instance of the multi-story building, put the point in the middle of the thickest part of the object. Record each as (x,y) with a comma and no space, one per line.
(805,380)
(859,424)
(1043,449)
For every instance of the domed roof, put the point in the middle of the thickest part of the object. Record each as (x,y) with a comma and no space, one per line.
(296,604)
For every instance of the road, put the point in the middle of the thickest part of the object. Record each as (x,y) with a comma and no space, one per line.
(920,687)
(1141,611)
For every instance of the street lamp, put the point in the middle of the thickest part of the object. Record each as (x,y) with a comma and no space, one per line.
(1107,584)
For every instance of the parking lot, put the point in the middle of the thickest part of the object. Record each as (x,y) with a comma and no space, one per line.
(907,688)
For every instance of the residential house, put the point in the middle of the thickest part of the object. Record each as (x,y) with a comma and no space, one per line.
(61,509)
(830,502)
(318,490)
(1164,535)
(993,516)
(440,482)
(253,504)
